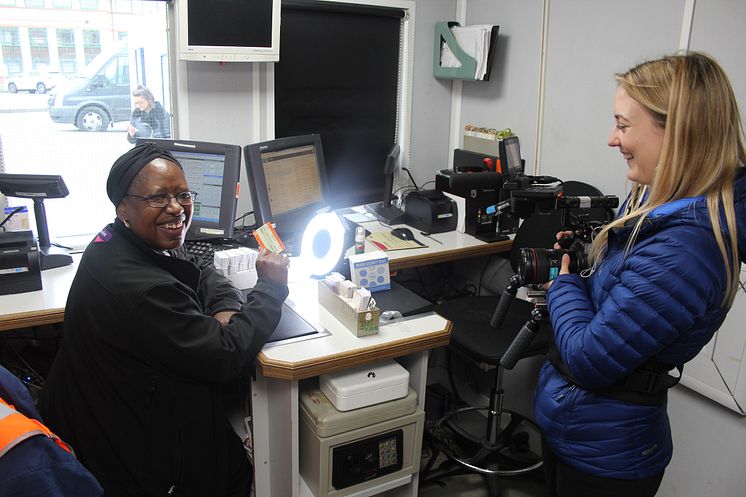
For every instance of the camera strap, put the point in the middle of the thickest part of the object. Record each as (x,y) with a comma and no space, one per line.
(646,385)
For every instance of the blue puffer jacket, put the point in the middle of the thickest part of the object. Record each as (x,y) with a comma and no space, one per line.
(663,302)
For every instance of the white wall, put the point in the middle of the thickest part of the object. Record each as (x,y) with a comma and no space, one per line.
(587,42)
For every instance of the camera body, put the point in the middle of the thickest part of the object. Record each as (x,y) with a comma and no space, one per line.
(539,265)
(531,195)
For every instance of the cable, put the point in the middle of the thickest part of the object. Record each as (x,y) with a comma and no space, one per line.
(12,213)
(414,183)
(39,378)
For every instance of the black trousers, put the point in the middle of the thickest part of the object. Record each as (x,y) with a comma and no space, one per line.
(565,481)
(240,472)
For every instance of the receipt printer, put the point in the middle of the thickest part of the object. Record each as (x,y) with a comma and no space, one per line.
(19,262)
(430,211)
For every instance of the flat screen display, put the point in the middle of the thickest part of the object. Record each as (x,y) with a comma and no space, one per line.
(229,30)
(287,178)
(213,171)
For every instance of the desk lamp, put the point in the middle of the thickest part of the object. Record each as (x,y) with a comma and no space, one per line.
(38,187)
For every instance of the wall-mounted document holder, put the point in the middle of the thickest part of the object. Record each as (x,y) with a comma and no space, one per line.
(472,62)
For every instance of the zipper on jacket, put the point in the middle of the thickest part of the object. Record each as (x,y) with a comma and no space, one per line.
(562,395)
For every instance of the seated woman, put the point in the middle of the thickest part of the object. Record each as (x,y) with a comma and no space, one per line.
(152,344)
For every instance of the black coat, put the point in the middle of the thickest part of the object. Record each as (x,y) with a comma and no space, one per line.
(137,387)
(155,123)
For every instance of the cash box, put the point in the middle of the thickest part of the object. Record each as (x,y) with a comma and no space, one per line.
(344,453)
(365,385)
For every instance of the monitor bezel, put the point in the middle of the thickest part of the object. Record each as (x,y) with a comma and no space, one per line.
(200,229)
(36,186)
(220,53)
(287,221)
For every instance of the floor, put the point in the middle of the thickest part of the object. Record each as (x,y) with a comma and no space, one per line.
(473,486)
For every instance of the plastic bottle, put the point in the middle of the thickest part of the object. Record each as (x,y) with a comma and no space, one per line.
(359,240)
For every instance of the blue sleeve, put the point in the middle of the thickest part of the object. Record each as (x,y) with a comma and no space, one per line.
(38,467)
(660,291)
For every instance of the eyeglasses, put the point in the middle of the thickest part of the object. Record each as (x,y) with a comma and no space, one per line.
(161,200)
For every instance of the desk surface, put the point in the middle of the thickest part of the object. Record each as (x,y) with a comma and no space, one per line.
(338,350)
(455,245)
(341,349)
(47,306)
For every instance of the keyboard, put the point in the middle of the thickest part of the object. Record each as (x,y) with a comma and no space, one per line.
(204,251)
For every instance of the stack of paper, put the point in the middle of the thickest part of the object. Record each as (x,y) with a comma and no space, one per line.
(475,41)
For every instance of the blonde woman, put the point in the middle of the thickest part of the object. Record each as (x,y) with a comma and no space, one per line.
(664,276)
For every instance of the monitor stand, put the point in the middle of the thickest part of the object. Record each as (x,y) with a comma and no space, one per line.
(386,214)
(52,257)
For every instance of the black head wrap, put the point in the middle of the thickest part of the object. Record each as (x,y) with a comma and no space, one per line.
(127,166)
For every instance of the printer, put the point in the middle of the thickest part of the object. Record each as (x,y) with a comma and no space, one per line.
(19,262)
(430,211)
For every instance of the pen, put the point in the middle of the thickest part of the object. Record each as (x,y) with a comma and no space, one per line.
(430,237)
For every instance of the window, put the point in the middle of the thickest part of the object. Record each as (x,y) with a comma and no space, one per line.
(62,4)
(11,50)
(51,135)
(91,44)
(34,4)
(66,51)
(88,4)
(39,48)
(342,89)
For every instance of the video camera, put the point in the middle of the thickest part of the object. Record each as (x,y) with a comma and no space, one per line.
(539,195)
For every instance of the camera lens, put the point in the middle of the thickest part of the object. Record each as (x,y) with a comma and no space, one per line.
(541,265)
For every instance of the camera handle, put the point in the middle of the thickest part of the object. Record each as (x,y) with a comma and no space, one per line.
(527,333)
(524,338)
(514,283)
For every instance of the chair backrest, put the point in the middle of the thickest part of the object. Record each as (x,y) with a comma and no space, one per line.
(540,230)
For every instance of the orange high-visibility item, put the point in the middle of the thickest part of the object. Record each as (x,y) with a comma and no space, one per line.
(15,428)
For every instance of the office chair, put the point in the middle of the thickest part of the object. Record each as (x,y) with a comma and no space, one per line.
(502,449)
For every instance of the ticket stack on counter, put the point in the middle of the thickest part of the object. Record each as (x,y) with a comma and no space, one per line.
(238,265)
(350,304)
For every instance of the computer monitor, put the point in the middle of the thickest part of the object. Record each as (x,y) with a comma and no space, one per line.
(38,187)
(213,171)
(287,181)
(510,157)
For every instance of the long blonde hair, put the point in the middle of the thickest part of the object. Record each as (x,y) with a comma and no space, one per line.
(690,96)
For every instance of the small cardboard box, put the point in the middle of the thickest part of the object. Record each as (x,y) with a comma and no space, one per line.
(482,145)
(360,323)
(370,270)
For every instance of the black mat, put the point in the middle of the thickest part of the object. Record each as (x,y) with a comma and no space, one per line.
(291,324)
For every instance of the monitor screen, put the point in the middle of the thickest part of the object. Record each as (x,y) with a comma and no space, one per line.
(287,178)
(510,157)
(229,30)
(213,171)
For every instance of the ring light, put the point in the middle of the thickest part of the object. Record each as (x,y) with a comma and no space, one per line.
(322,244)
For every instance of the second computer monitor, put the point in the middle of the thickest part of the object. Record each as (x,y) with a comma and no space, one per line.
(287,179)
(213,171)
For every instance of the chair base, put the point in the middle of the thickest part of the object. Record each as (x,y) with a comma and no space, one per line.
(467,452)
